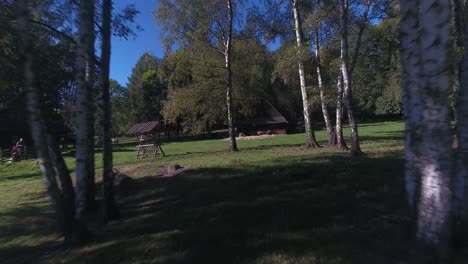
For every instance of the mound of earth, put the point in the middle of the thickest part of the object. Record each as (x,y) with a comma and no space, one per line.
(155,170)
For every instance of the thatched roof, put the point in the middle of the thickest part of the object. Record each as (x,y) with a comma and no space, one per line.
(143,128)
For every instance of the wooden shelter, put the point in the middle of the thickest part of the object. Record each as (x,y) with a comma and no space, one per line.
(266,118)
(147,135)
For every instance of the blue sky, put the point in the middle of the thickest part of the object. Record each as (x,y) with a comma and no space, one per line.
(125,53)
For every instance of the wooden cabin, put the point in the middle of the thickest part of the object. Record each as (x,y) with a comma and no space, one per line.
(267,120)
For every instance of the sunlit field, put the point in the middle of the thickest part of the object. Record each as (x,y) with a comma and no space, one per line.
(272,202)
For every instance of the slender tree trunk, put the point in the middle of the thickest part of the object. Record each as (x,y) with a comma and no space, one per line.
(82,116)
(410,59)
(72,235)
(310,135)
(90,94)
(461,109)
(433,148)
(36,123)
(227,57)
(457,35)
(340,142)
(347,94)
(110,206)
(323,100)
(357,48)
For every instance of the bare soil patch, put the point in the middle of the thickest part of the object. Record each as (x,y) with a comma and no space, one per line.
(253,137)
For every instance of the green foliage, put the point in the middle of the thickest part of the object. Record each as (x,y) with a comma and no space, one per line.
(196,92)
(121,119)
(145,90)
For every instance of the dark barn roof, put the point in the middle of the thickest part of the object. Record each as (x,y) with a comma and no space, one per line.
(269,116)
(143,128)
(266,115)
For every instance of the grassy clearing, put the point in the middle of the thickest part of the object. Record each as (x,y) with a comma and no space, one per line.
(273,202)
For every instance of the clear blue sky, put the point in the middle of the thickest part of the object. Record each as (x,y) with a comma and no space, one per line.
(125,53)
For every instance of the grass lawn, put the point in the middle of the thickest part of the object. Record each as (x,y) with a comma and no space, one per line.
(272,202)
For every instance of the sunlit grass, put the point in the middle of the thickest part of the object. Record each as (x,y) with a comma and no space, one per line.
(272,202)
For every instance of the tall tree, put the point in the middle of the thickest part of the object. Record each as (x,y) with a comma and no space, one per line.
(323,100)
(227,60)
(345,73)
(48,153)
(310,135)
(144,89)
(84,70)
(110,207)
(205,23)
(424,43)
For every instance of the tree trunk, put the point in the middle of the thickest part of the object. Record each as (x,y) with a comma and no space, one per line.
(36,123)
(82,116)
(433,148)
(68,193)
(227,57)
(340,142)
(110,211)
(90,94)
(323,100)
(461,109)
(310,135)
(412,104)
(347,94)
(457,35)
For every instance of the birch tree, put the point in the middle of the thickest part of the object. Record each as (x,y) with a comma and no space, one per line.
(84,72)
(310,136)
(110,211)
(426,86)
(48,154)
(206,23)
(345,74)
(316,31)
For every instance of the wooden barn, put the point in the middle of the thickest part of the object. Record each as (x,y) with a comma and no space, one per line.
(267,120)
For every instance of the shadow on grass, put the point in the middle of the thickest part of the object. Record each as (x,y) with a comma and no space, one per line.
(327,209)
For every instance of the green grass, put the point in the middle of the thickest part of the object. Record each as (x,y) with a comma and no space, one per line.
(272,202)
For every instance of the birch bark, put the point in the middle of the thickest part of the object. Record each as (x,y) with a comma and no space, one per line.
(310,136)
(110,210)
(227,60)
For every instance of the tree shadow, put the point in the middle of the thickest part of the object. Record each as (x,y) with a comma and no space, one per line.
(327,209)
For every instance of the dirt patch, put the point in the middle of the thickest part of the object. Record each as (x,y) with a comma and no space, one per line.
(155,170)
(253,137)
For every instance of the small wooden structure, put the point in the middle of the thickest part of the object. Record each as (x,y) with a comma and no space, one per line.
(147,135)
(267,120)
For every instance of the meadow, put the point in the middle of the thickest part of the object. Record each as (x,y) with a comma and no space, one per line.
(272,202)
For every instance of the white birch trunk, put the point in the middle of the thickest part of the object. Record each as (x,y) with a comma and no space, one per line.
(36,123)
(82,126)
(347,93)
(227,58)
(110,207)
(433,147)
(323,100)
(90,94)
(410,57)
(340,142)
(310,137)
